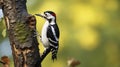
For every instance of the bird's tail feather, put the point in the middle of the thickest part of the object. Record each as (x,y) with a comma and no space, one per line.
(54,53)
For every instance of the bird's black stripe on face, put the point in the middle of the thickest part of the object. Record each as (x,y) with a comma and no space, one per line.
(49,20)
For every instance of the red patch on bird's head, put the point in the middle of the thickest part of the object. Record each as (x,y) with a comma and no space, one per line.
(54,14)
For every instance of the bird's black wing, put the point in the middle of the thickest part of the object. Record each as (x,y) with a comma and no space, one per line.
(53,35)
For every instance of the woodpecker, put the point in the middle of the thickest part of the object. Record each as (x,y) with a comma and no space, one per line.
(50,33)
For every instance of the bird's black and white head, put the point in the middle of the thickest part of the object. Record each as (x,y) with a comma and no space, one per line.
(48,15)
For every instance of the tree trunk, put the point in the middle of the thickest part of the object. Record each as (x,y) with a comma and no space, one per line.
(21,28)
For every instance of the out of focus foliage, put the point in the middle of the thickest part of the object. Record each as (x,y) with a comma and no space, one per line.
(90,31)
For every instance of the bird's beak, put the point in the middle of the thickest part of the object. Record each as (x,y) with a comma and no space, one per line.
(39,15)
(43,16)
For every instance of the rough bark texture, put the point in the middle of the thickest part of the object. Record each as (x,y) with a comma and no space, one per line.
(21,28)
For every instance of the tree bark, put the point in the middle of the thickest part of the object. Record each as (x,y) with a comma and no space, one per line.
(21,28)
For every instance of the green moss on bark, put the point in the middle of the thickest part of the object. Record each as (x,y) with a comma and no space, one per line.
(21,32)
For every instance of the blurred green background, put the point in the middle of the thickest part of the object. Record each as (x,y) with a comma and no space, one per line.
(90,31)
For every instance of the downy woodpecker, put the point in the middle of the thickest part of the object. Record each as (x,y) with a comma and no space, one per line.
(50,33)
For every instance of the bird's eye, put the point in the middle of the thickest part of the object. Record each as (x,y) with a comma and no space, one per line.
(46,14)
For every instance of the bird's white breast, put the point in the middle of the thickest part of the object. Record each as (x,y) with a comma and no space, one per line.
(44,35)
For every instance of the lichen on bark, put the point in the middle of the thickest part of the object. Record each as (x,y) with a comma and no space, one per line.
(22,33)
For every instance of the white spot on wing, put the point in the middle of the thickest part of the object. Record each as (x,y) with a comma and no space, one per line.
(54,33)
(52,40)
